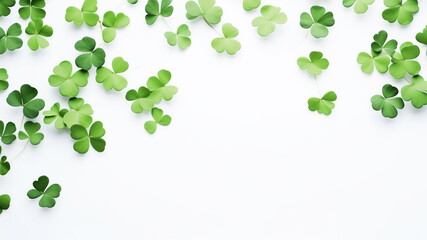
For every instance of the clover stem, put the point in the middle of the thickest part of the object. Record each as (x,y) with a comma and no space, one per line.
(407,80)
(20,152)
(210,25)
(22,122)
(303,40)
(167,24)
(317,85)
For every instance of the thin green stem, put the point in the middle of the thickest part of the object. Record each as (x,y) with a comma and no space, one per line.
(317,85)
(407,80)
(167,24)
(210,25)
(20,152)
(22,122)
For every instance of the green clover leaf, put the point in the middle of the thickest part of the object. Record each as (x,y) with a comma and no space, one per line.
(86,139)
(204,8)
(25,98)
(48,194)
(5,6)
(158,84)
(360,6)
(133,1)
(388,103)
(143,99)
(159,118)
(55,114)
(323,105)
(181,37)
(376,61)
(403,63)
(32,8)
(227,43)
(31,133)
(4,165)
(401,11)
(39,31)
(4,202)
(112,22)
(111,79)
(315,64)
(68,81)
(422,36)
(7,134)
(318,22)
(250,5)
(416,92)
(271,15)
(380,44)
(4,84)
(92,56)
(154,10)
(10,40)
(87,14)
(80,113)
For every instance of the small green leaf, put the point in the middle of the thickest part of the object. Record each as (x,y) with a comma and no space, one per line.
(154,10)
(55,114)
(67,81)
(38,32)
(31,133)
(85,139)
(4,84)
(7,133)
(25,98)
(404,62)
(10,40)
(315,64)
(113,22)
(416,92)
(87,14)
(32,8)
(92,56)
(360,6)
(204,8)
(5,6)
(47,194)
(4,202)
(402,12)
(318,22)
(250,5)
(388,103)
(271,15)
(158,84)
(80,113)
(180,38)
(323,105)
(227,43)
(369,63)
(111,79)
(4,164)
(159,118)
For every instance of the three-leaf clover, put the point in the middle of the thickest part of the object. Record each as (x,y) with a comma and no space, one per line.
(55,114)
(403,63)
(318,21)
(111,22)
(4,202)
(360,6)
(80,113)
(315,64)
(227,43)
(5,6)
(111,79)
(85,139)
(323,105)
(4,165)
(68,81)
(158,84)
(4,84)
(376,61)
(271,15)
(416,92)
(7,133)
(48,194)
(143,99)
(159,118)
(250,5)
(32,8)
(87,14)
(31,133)
(204,8)
(92,56)
(180,38)
(388,103)
(154,10)
(401,11)
(25,98)
(39,31)
(10,40)
(380,44)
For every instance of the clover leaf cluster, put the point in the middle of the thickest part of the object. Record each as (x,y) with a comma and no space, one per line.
(318,21)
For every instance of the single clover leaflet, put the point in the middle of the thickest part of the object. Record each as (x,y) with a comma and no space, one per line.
(374,61)
(158,84)
(250,5)
(91,56)
(318,22)
(87,14)
(112,79)
(80,113)
(4,202)
(416,92)
(154,10)
(360,6)
(180,38)
(4,84)
(7,133)
(68,82)
(204,8)
(227,43)
(402,12)
(315,64)
(388,103)
(380,44)
(270,16)
(133,1)
(55,114)
(403,63)
(323,105)
(5,6)
(86,139)
(47,194)
(422,36)
(4,164)
(31,133)
(26,98)
(32,9)
(38,32)
(111,22)
(10,40)
(143,99)
(159,118)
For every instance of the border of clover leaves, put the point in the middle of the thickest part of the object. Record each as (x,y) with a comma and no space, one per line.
(386,56)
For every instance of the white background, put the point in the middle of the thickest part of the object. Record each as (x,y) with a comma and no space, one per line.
(243,158)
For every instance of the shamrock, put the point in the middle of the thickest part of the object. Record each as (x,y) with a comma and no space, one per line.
(369,63)
(39,31)
(153,10)
(271,15)
(250,5)
(95,57)
(315,64)
(113,22)
(159,118)
(181,37)
(55,114)
(323,105)
(48,194)
(401,11)
(31,133)
(227,43)
(318,21)
(10,40)
(25,98)
(360,6)
(111,79)
(84,15)
(4,165)
(143,99)
(422,36)
(85,139)
(80,113)
(205,8)
(4,202)
(388,103)
(5,6)
(416,92)
(402,63)
(379,45)
(158,84)
(68,81)
(32,8)
(4,84)
(7,134)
